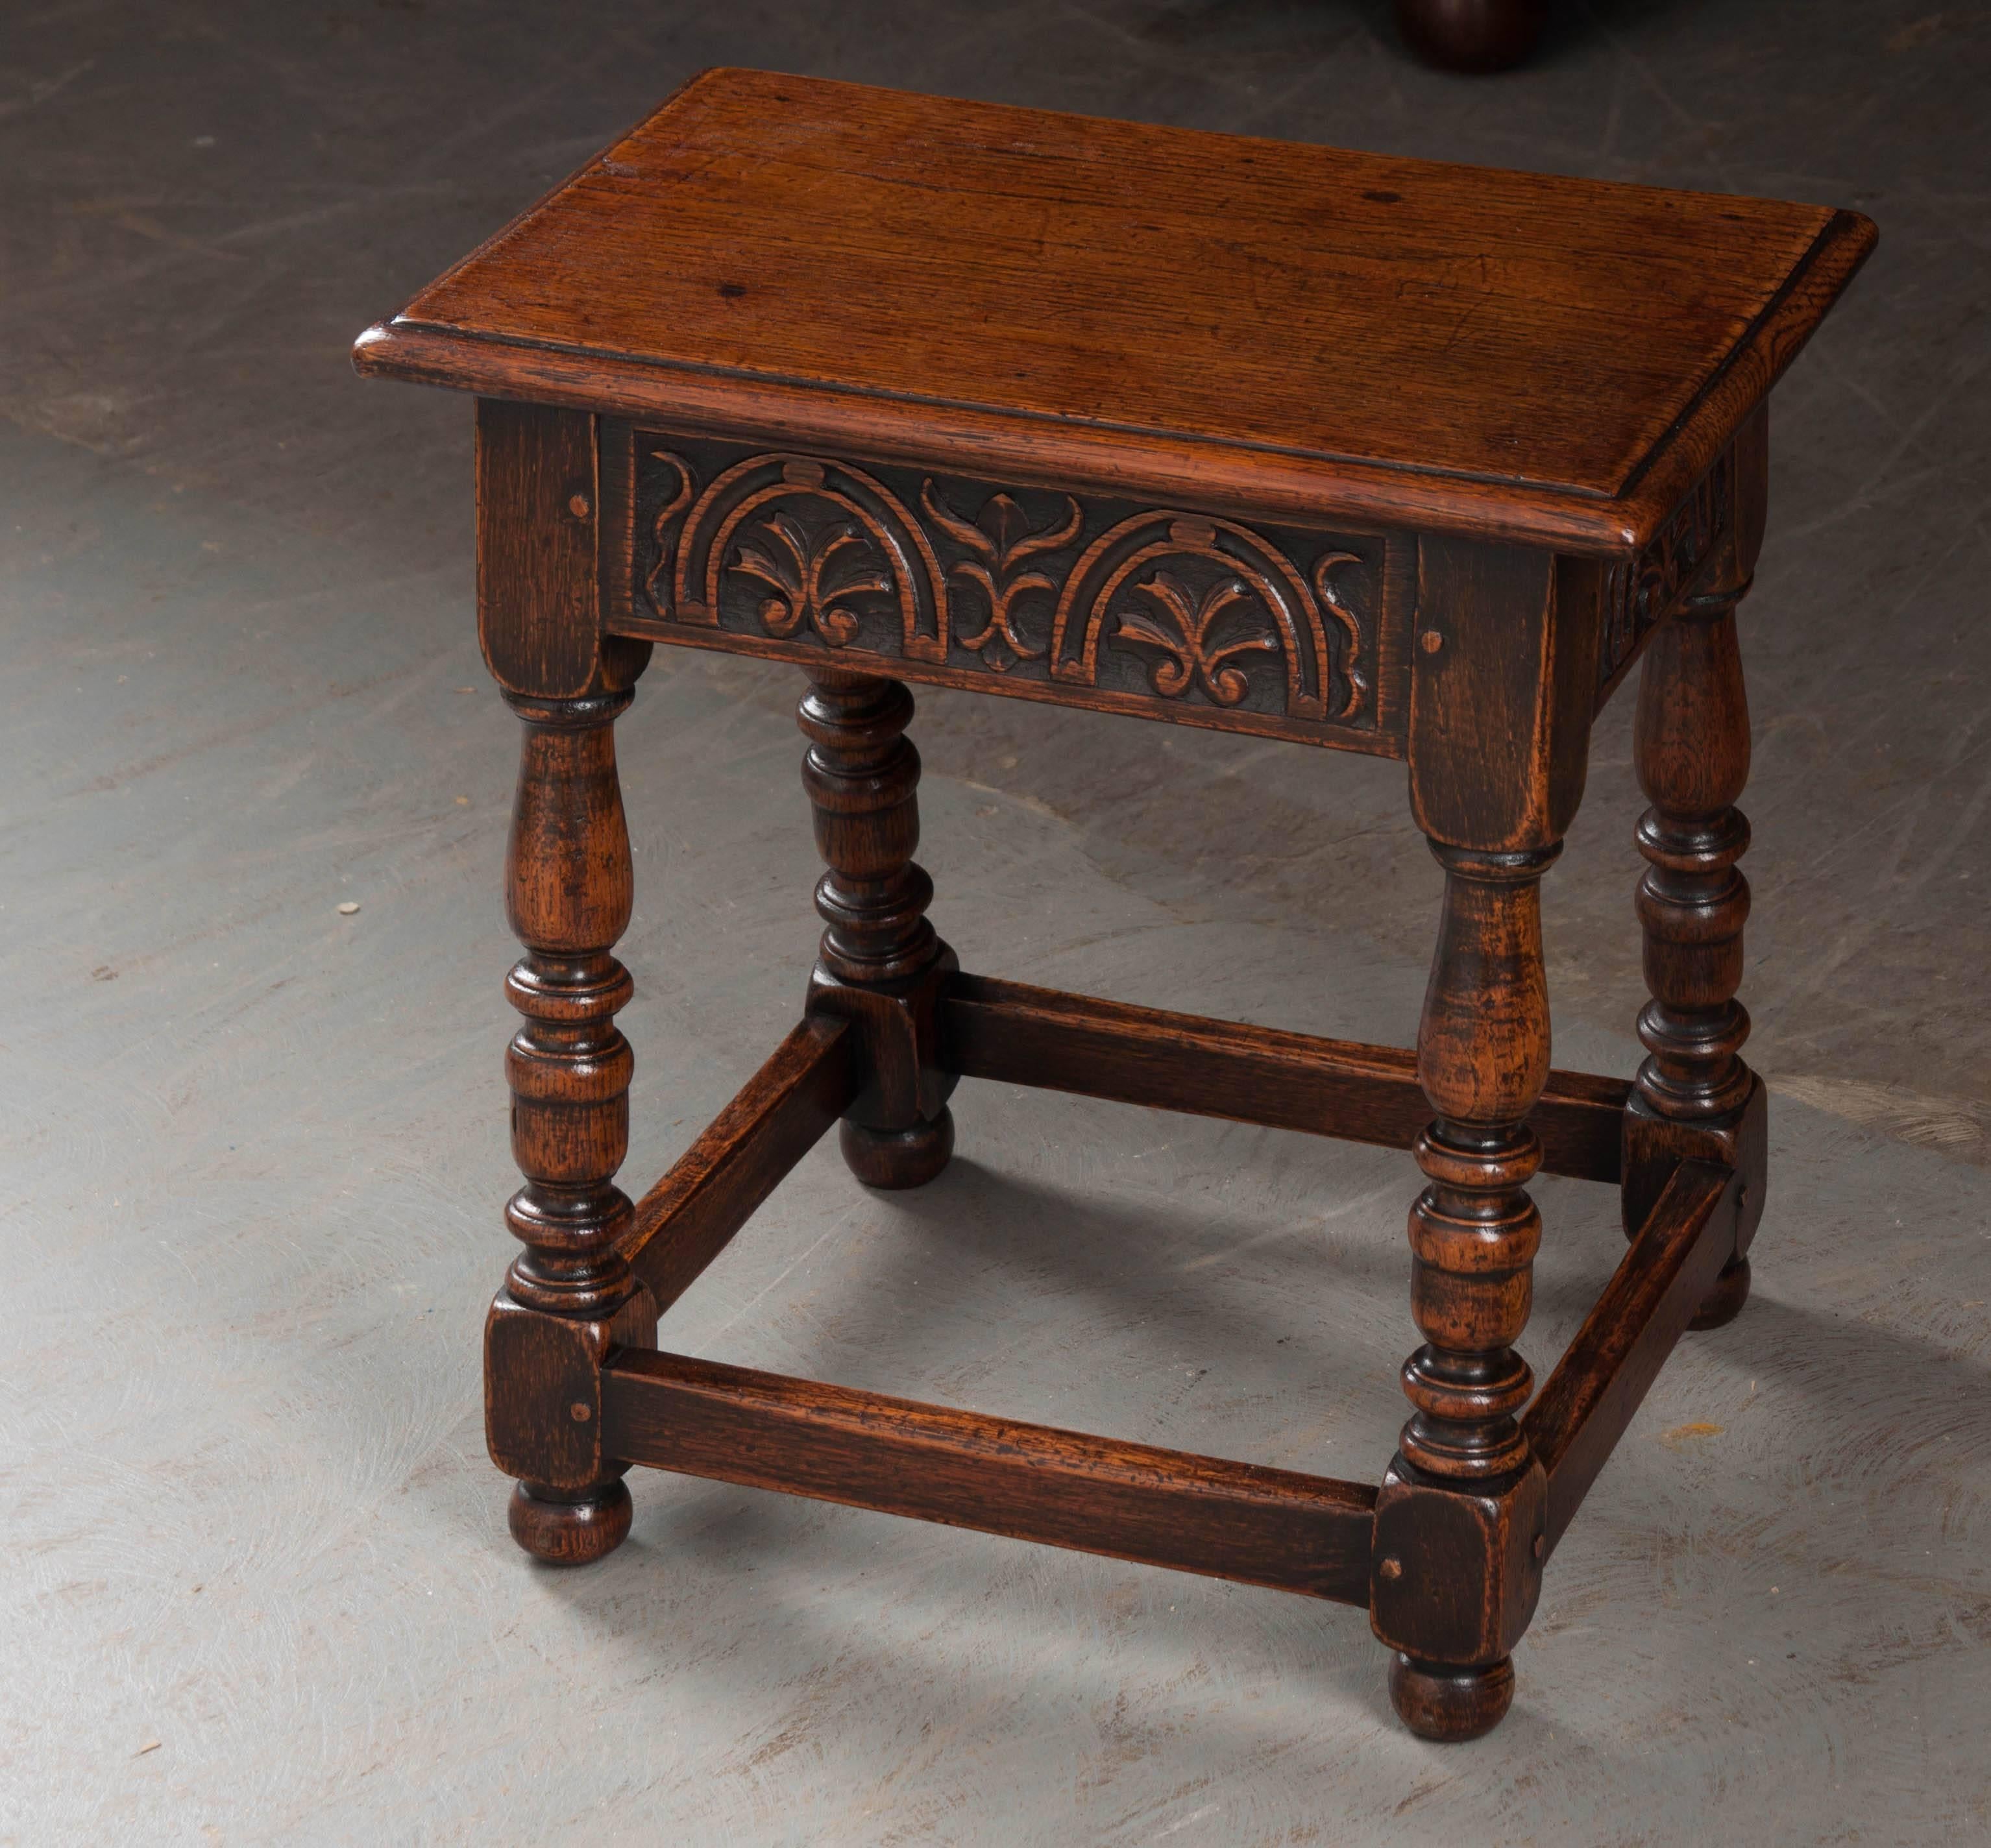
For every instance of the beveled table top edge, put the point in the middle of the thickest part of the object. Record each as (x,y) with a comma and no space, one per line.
(1157,464)
(1235,474)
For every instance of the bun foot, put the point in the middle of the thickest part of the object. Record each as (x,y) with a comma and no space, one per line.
(1438,1701)
(1471,35)
(574,1531)
(1725,1302)
(900,1158)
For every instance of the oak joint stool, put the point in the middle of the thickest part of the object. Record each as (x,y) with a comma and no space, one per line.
(1344,449)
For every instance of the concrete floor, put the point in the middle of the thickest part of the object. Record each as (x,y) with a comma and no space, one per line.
(260,1587)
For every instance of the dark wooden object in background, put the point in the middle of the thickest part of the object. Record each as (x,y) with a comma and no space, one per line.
(791,371)
(1472,34)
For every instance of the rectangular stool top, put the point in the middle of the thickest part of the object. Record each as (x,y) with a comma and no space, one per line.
(1296,330)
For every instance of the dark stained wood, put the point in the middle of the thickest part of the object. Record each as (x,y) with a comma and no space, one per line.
(569,893)
(1482,1060)
(570,1530)
(863,777)
(1668,1269)
(1118,605)
(1713,522)
(1693,742)
(569,1296)
(880,966)
(1463,1470)
(1449,1704)
(897,1158)
(1549,360)
(1119,701)
(1457,1569)
(1131,1500)
(1692,746)
(689,1217)
(1335,448)
(1472,36)
(1021,1035)
(1501,695)
(538,612)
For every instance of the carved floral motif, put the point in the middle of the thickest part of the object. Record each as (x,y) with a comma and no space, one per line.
(1256,580)
(821,537)
(798,567)
(1017,582)
(1188,652)
(1000,538)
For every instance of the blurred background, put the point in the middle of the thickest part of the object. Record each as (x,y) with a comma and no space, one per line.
(254,1151)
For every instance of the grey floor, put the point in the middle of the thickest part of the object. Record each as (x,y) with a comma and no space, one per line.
(258,1584)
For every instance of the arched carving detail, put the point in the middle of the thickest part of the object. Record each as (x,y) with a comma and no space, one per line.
(1280,612)
(816,535)
(1093,599)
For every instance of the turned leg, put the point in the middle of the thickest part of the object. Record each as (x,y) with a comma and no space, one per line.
(569,1294)
(1693,1093)
(880,963)
(1464,1501)
(1471,35)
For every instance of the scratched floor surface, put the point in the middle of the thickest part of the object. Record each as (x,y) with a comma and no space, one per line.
(259,1585)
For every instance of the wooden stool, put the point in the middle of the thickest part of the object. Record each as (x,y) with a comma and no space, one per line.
(1339,449)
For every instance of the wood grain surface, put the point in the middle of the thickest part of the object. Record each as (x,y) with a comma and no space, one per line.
(1579,1418)
(1103,601)
(1011,1031)
(1204,1515)
(1264,322)
(249,1518)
